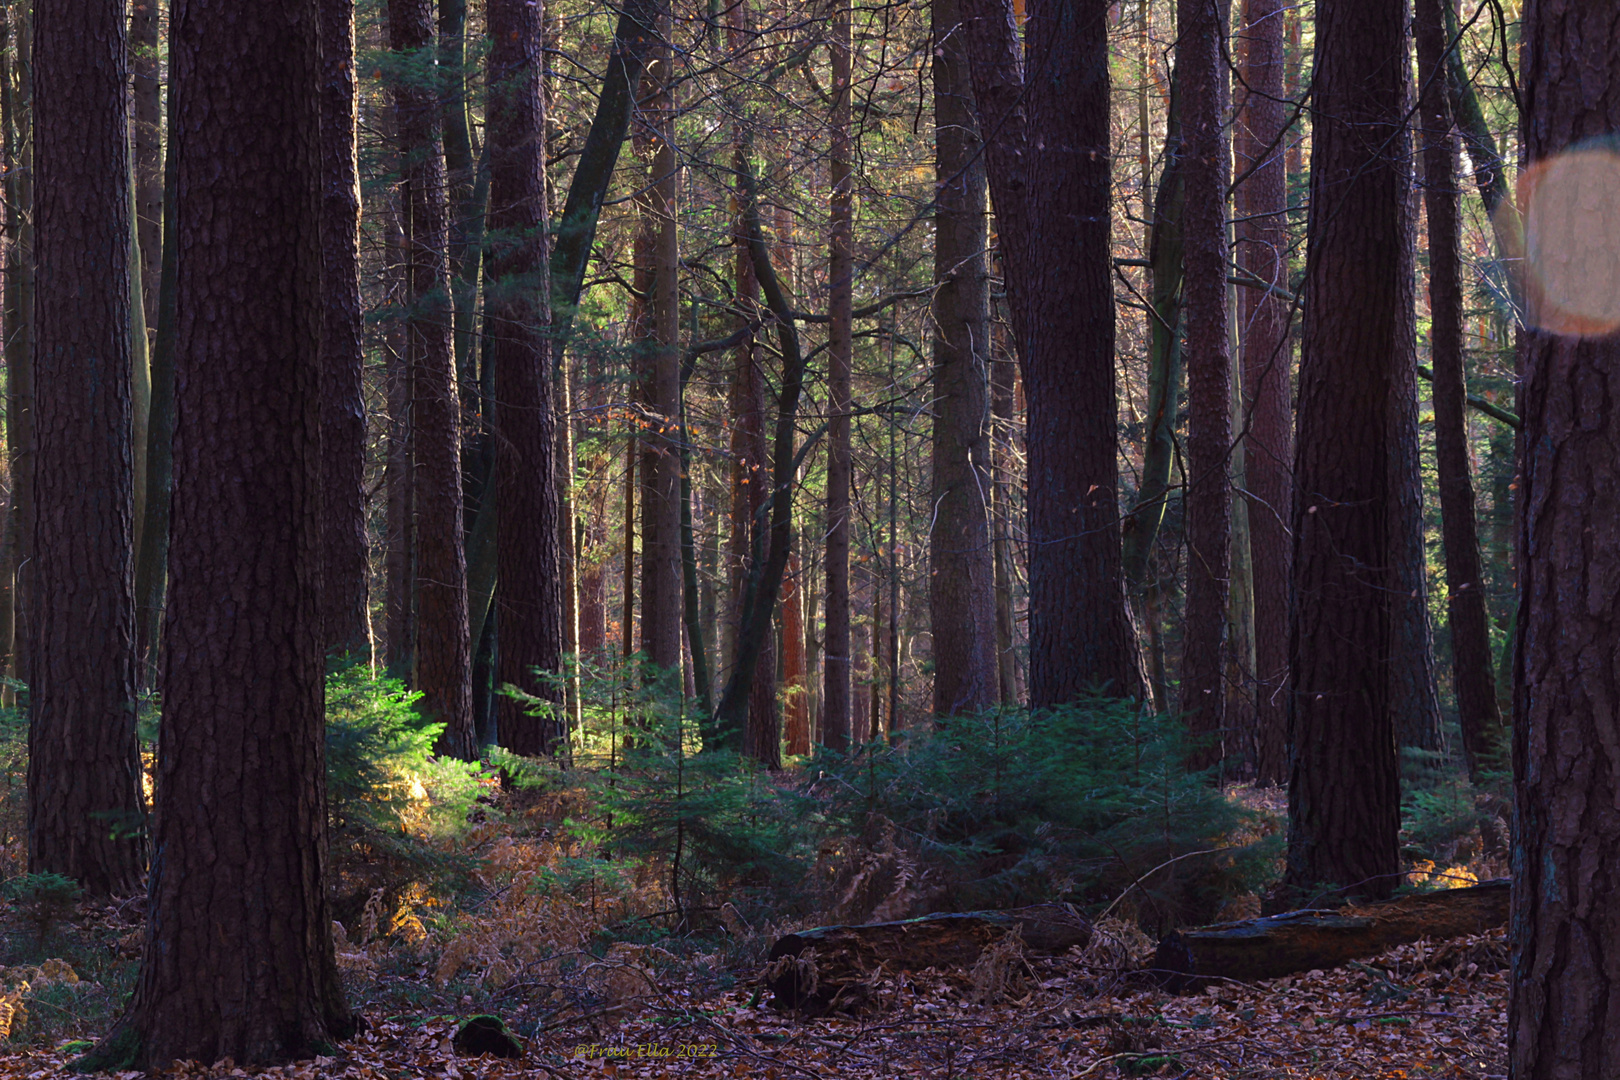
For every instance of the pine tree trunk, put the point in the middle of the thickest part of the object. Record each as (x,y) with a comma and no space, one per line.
(1262,212)
(796,709)
(443,651)
(1208,499)
(661,487)
(1470,627)
(961,570)
(1052,212)
(400,529)
(84,801)
(528,560)
(1344,797)
(837,691)
(345,568)
(1561,1011)
(239,960)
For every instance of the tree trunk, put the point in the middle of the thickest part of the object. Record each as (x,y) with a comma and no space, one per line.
(1561,1004)
(1200,66)
(961,570)
(1052,212)
(345,565)
(661,485)
(1470,627)
(1343,794)
(1262,212)
(1267,948)
(443,651)
(837,693)
(796,709)
(238,960)
(400,538)
(84,801)
(528,560)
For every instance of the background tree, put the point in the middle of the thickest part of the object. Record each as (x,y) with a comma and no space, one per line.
(238,960)
(345,554)
(1343,793)
(84,802)
(961,580)
(517,310)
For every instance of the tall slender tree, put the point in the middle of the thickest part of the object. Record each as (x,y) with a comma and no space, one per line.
(961,572)
(344,547)
(443,650)
(1562,998)
(1201,68)
(1048,162)
(1465,592)
(1343,794)
(528,593)
(1261,198)
(238,960)
(837,669)
(84,801)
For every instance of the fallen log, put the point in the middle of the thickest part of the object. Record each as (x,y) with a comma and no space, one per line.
(1277,945)
(827,969)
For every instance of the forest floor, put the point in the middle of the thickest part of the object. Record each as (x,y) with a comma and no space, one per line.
(1430,1009)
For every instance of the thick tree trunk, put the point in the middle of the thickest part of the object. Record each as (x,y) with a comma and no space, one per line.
(400,528)
(528,559)
(1566,859)
(443,650)
(1200,66)
(345,568)
(961,570)
(1470,626)
(1344,798)
(84,800)
(1053,220)
(1262,211)
(238,960)
(837,690)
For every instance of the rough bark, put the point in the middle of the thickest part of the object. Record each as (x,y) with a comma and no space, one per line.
(1003,373)
(796,707)
(661,457)
(19,343)
(1048,165)
(1566,860)
(84,802)
(400,527)
(961,570)
(528,593)
(1277,945)
(1465,592)
(1262,211)
(1344,812)
(443,651)
(345,569)
(1208,499)
(837,672)
(238,960)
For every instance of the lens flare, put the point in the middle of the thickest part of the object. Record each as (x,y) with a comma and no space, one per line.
(1571,256)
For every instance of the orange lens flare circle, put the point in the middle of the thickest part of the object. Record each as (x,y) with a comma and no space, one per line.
(1570,208)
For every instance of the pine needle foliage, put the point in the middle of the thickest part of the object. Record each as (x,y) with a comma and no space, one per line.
(1085,803)
(395,812)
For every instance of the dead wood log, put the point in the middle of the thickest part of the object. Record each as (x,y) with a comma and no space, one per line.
(1306,940)
(829,968)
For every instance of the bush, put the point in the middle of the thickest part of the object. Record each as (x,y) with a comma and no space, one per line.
(396,813)
(1080,804)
